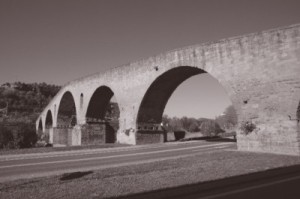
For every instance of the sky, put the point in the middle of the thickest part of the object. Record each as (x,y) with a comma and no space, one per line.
(57,41)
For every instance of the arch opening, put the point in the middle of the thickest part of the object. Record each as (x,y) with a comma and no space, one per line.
(102,118)
(158,94)
(66,115)
(48,136)
(151,125)
(49,120)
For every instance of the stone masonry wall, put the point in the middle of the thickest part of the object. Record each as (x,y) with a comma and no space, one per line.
(60,136)
(93,134)
(149,137)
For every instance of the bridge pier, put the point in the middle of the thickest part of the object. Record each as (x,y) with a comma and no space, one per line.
(282,138)
(67,136)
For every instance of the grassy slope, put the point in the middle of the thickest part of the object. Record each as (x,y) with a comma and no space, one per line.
(145,177)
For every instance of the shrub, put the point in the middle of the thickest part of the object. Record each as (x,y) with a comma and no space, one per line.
(247,127)
(27,135)
(210,128)
(6,137)
(17,135)
(179,135)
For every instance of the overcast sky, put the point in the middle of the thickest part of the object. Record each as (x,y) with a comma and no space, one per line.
(56,41)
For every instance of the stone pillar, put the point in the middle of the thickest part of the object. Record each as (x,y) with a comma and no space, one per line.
(75,136)
(267,118)
(51,135)
(127,121)
(60,136)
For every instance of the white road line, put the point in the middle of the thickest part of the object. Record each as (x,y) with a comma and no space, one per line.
(113,156)
(71,153)
(74,153)
(78,153)
(217,147)
(251,188)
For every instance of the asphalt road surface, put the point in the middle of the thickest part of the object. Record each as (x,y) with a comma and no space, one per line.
(35,165)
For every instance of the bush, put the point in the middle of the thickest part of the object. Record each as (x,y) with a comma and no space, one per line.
(210,128)
(247,127)
(27,135)
(6,137)
(17,135)
(179,135)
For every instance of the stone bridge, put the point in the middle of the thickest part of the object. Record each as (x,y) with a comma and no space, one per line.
(259,71)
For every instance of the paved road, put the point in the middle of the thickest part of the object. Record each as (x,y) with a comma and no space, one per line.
(34,165)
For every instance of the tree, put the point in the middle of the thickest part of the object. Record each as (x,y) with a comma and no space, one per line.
(231,116)
(6,136)
(27,136)
(194,127)
(228,120)
(210,128)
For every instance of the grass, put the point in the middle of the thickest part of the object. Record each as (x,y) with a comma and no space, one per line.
(118,181)
(54,149)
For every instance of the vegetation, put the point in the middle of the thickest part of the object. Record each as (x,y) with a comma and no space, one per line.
(21,97)
(20,105)
(208,127)
(228,120)
(247,127)
(17,135)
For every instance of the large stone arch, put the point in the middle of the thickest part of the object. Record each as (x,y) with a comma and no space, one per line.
(158,94)
(153,103)
(102,118)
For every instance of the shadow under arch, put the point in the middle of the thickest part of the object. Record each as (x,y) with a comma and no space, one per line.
(102,118)
(48,136)
(154,102)
(66,115)
(49,119)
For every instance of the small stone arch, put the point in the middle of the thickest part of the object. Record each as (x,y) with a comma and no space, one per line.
(102,117)
(66,114)
(49,120)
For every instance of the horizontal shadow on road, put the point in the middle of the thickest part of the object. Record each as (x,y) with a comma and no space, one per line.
(211,188)
(208,139)
(74,175)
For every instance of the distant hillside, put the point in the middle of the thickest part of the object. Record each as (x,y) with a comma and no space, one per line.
(23,102)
